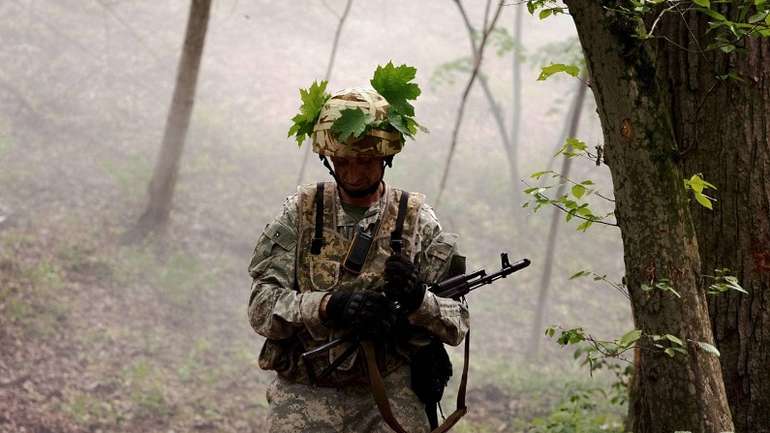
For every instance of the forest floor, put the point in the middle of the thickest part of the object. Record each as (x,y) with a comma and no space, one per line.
(100,336)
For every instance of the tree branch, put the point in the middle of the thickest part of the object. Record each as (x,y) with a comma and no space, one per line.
(327,77)
(464,99)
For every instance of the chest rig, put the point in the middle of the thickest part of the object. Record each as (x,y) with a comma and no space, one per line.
(321,265)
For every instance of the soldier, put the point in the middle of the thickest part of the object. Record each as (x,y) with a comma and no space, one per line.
(326,268)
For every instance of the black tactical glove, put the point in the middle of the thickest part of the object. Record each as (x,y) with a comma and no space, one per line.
(367,312)
(402,283)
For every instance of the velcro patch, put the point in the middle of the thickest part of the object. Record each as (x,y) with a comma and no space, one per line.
(281,235)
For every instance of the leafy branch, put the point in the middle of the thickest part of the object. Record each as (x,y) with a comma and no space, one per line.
(572,208)
(620,287)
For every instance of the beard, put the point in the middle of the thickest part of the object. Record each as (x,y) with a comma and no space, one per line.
(362,192)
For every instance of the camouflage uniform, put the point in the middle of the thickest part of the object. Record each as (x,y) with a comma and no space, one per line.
(284,308)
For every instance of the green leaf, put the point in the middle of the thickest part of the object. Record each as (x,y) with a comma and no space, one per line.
(579,274)
(402,123)
(351,123)
(394,84)
(555,68)
(584,225)
(674,339)
(702,3)
(545,13)
(550,331)
(709,348)
(760,16)
(670,352)
(630,337)
(578,190)
(313,99)
(697,184)
(703,200)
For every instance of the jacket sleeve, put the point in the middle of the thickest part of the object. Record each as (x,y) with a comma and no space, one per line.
(447,319)
(276,310)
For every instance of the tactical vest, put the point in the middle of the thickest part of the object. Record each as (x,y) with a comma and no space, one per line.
(321,252)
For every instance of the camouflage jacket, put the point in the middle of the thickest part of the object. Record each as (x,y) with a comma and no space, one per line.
(278,311)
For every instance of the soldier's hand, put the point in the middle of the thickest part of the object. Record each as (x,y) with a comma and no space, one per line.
(402,283)
(366,311)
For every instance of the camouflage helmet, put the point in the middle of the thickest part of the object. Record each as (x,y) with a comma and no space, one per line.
(376,142)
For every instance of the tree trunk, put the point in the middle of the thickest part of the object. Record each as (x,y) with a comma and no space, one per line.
(161,189)
(684,392)
(724,131)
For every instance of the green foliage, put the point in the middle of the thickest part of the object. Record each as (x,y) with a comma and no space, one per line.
(572,204)
(568,51)
(545,8)
(313,99)
(696,184)
(351,123)
(578,413)
(669,344)
(394,84)
(723,282)
(663,284)
(555,68)
(572,147)
(708,348)
(445,73)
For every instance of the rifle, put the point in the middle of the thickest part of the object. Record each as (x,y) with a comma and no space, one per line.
(461,285)
(454,287)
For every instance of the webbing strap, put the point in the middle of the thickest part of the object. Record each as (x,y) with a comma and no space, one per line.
(396,242)
(381,397)
(318,240)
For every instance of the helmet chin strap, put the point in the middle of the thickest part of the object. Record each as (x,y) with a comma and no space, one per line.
(387,162)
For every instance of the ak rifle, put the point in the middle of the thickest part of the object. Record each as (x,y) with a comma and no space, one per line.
(461,285)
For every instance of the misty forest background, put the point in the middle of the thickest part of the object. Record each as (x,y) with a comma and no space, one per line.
(101,334)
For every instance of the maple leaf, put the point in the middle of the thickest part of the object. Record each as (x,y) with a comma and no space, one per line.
(352,122)
(393,83)
(313,99)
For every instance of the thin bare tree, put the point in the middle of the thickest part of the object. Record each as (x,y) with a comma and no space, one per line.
(550,250)
(161,189)
(508,142)
(327,77)
(487,29)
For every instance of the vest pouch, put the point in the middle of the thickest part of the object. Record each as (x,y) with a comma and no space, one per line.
(324,274)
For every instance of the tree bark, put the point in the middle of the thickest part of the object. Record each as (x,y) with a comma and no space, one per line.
(161,188)
(686,392)
(724,131)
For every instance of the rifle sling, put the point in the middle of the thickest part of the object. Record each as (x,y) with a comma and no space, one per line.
(396,242)
(381,397)
(318,240)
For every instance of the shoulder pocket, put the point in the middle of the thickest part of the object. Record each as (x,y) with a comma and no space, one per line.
(443,247)
(280,234)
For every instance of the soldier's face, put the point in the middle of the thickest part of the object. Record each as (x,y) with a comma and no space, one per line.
(359,173)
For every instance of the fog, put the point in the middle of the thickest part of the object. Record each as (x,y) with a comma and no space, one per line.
(98,335)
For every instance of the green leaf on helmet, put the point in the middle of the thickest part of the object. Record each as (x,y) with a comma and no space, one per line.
(402,123)
(313,99)
(394,84)
(351,123)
